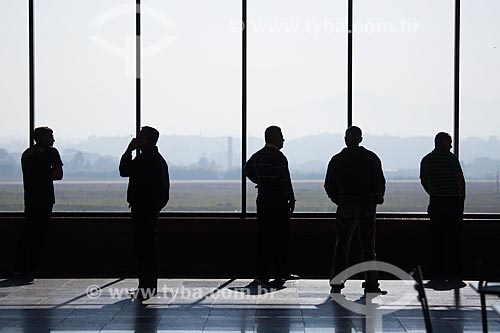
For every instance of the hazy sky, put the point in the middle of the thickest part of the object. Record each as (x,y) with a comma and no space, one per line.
(403,66)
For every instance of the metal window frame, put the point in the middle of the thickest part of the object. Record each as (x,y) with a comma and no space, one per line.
(31,56)
(243,107)
(350,35)
(456,83)
(138,58)
(384,216)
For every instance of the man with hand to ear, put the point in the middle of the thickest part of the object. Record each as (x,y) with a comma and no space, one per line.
(147,193)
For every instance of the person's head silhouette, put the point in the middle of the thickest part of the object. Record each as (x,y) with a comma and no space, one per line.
(44,136)
(148,137)
(442,141)
(353,136)
(274,136)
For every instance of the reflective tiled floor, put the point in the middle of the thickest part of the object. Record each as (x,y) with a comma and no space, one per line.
(73,305)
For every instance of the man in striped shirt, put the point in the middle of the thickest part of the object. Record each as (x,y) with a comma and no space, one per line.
(442,178)
(268,168)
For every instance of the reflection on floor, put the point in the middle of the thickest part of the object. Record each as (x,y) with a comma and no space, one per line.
(70,305)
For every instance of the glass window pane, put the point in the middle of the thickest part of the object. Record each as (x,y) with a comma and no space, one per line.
(480,104)
(85,91)
(297,80)
(403,88)
(14,102)
(192,94)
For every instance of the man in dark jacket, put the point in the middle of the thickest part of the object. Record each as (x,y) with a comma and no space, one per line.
(268,168)
(41,165)
(442,178)
(356,184)
(147,194)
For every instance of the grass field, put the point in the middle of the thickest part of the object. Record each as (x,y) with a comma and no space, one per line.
(225,196)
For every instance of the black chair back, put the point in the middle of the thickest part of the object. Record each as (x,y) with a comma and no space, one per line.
(416,273)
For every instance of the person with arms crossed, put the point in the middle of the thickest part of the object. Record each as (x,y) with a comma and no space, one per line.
(41,165)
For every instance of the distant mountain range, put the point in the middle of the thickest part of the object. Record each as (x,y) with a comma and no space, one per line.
(217,157)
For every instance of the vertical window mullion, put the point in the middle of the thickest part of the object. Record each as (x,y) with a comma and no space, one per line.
(244,109)
(31,51)
(349,61)
(456,97)
(138,66)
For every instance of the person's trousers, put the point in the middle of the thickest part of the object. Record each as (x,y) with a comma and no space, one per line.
(352,217)
(273,228)
(32,240)
(144,232)
(446,217)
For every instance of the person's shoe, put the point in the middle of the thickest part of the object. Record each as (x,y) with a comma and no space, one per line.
(455,283)
(23,276)
(375,290)
(336,288)
(263,282)
(435,284)
(288,276)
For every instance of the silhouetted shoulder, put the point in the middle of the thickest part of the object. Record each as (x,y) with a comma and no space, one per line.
(371,154)
(426,157)
(270,153)
(338,155)
(441,155)
(283,157)
(32,152)
(367,152)
(49,154)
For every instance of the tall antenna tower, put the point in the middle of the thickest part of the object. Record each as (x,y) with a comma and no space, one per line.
(498,182)
(229,153)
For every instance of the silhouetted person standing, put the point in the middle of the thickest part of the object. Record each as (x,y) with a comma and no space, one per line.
(442,178)
(268,168)
(355,183)
(41,165)
(147,193)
